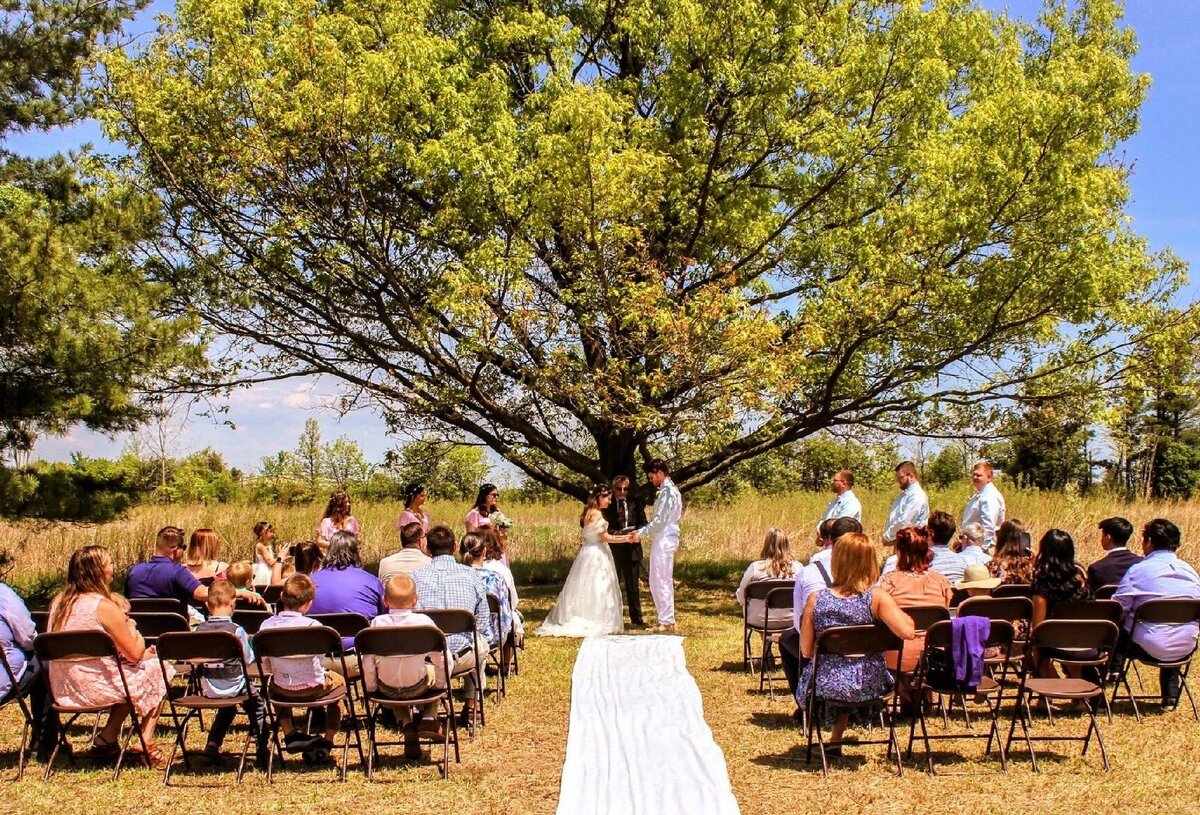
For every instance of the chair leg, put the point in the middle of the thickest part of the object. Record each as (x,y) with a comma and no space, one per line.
(180,737)
(245,750)
(21,753)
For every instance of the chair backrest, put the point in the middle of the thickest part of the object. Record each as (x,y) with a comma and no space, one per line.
(346,623)
(74,645)
(1087,610)
(272,593)
(1000,634)
(959,595)
(925,616)
(41,621)
(857,640)
(152,624)
(998,608)
(316,640)
(759,589)
(493,604)
(250,619)
(1076,635)
(452,620)
(160,605)
(1168,611)
(780,597)
(200,647)
(1014,590)
(1105,592)
(394,641)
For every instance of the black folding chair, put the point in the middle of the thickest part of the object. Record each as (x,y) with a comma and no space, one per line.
(495,656)
(272,593)
(759,590)
(1088,610)
(854,642)
(85,646)
(251,619)
(1105,592)
(1013,590)
(158,605)
(1094,641)
(1164,611)
(319,641)
(462,621)
(196,648)
(780,598)
(20,697)
(399,642)
(346,623)
(153,624)
(928,678)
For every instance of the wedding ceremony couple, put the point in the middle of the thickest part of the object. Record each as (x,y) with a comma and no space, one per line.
(589,604)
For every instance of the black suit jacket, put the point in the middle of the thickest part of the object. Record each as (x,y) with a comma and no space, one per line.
(635,517)
(1108,570)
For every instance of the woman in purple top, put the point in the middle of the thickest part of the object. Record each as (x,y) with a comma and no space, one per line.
(343,585)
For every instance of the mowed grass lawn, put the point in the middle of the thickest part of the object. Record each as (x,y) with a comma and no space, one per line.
(514,764)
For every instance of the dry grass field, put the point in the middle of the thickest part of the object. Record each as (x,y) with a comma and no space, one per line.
(514,765)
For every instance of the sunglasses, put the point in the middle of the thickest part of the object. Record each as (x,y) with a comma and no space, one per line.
(621,489)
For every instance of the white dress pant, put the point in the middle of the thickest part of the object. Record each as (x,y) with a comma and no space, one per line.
(662,577)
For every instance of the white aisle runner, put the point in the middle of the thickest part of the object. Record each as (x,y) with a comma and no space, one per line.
(638,743)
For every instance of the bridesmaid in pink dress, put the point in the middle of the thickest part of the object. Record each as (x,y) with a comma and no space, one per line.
(337,519)
(86,604)
(414,500)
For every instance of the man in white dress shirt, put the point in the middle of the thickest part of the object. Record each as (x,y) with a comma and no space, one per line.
(663,531)
(986,506)
(911,507)
(845,503)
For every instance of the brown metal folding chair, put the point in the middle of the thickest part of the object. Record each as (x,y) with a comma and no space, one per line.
(41,621)
(857,642)
(760,590)
(78,646)
(251,619)
(1105,592)
(1088,610)
(407,641)
(495,656)
(153,624)
(346,623)
(196,648)
(1013,590)
(990,690)
(19,696)
(462,621)
(1164,611)
(157,605)
(321,641)
(1095,638)
(778,598)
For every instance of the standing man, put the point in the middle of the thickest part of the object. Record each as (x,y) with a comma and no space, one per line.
(1108,570)
(623,513)
(911,507)
(986,506)
(663,531)
(845,503)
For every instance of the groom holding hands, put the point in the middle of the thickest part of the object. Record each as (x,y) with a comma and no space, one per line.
(663,531)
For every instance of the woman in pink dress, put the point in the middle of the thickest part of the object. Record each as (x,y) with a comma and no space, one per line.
(414,500)
(485,505)
(337,519)
(86,604)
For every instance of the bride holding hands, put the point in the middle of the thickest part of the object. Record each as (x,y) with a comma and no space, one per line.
(589,604)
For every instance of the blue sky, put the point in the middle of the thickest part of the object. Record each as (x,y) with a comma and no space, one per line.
(1165,208)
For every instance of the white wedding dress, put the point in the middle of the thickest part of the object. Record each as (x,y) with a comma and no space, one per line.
(589,604)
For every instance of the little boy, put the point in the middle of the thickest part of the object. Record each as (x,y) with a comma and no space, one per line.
(301,679)
(406,677)
(241,575)
(222,680)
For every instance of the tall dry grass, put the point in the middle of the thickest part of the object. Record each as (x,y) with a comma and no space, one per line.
(549,533)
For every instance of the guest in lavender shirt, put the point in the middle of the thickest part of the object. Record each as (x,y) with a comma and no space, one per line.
(343,585)
(1160,574)
(16,638)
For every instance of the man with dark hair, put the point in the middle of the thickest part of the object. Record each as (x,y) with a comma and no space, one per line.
(1160,574)
(845,503)
(663,531)
(411,555)
(911,507)
(1108,570)
(625,512)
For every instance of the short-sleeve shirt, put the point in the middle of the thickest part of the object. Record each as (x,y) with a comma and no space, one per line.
(347,590)
(160,576)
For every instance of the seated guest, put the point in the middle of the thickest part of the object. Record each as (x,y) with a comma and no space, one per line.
(304,557)
(1011,560)
(914,583)
(473,550)
(86,604)
(494,558)
(1160,574)
(851,600)
(1056,578)
(223,680)
(302,678)
(406,677)
(970,546)
(202,555)
(411,555)
(1108,570)
(164,576)
(977,581)
(17,632)
(776,564)
(445,583)
(946,562)
(343,585)
(241,575)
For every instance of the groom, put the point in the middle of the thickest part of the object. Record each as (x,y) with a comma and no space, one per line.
(663,531)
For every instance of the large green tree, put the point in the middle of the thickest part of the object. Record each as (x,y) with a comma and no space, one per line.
(83,333)
(590,232)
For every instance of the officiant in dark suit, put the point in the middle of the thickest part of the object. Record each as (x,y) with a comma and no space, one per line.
(626,512)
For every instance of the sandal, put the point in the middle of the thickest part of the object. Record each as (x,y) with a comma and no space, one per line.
(104,749)
(152,758)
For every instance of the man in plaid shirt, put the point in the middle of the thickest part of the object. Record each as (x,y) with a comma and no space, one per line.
(446,583)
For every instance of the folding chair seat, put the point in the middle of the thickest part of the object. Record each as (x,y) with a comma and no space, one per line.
(857,642)
(196,648)
(78,646)
(157,605)
(319,641)
(1164,611)
(990,691)
(462,621)
(759,590)
(1096,639)
(19,696)
(407,641)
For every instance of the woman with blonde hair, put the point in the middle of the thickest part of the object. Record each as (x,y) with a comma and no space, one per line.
(775,563)
(86,604)
(851,600)
(202,551)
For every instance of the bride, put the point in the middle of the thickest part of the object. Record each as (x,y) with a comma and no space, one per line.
(589,604)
